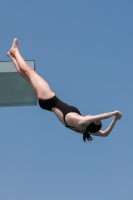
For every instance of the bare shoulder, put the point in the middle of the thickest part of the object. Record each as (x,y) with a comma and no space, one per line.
(73,119)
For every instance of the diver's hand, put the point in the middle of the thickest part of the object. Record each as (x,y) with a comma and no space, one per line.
(118,115)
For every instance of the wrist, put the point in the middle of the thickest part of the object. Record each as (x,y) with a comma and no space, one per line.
(116,112)
(115,118)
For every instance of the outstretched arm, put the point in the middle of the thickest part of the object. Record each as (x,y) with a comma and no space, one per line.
(109,129)
(89,119)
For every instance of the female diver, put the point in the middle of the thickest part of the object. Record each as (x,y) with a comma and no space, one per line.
(69,116)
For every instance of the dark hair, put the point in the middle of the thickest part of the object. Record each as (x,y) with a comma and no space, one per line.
(91,128)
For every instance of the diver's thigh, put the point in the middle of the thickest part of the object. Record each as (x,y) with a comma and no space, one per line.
(42,88)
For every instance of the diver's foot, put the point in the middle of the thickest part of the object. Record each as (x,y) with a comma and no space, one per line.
(13,48)
(9,54)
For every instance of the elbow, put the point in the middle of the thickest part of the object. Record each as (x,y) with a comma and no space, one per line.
(105,134)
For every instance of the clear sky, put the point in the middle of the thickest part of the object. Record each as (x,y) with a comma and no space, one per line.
(84,50)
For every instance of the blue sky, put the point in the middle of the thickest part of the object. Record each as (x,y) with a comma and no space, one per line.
(83,49)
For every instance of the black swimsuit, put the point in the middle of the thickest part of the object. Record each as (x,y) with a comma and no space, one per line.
(48,104)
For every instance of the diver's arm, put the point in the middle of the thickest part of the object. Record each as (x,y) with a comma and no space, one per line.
(108,130)
(89,119)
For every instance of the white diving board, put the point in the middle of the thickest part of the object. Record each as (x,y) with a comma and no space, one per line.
(14,89)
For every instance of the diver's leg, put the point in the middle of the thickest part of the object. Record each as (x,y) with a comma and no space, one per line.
(16,64)
(20,71)
(13,51)
(41,87)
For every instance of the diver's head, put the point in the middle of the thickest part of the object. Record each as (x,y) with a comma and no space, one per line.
(92,128)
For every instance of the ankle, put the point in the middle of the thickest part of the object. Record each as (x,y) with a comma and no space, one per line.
(14,51)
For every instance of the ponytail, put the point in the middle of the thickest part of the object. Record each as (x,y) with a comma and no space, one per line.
(92,128)
(86,136)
